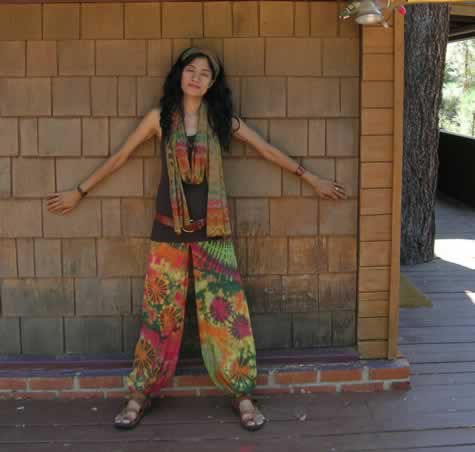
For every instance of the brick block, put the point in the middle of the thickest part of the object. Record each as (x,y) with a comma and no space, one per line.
(252,216)
(41,58)
(263,97)
(289,135)
(337,375)
(375,227)
(373,279)
(374,254)
(341,57)
(25,97)
(292,378)
(43,336)
(390,373)
(265,177)
(182,20)
(84,221)
(71,96)
(377,148)
(323,19)
(377,40)
(86,335)
(26,262)
(316,137)
(244,56)
(20,22)
(343,328)
(12,55)
(377,94)
(303,255)
(8,136)
(159,57)
(263,293)
(324,168)
(292,217)
(218,19)
(142,20)
(378,67)
(299,293)
(96,296)
(276,18)
(375,201)
(302,18)
(290,56)
(95,136)
(131,332)
(127,97)
(111,226)
(121,128)
(28,136)
(312,329)
(8,258)
(104,96)
(127,181)
(102,21)
(341,254)
(76,57)
(149,91)
(33,177)
(59,136)
(47,258)
(342,137)
(337,291)
(137,217)
(20,218)
(350,97)
(119,257)
(264,327)
(108,381)
(5,178)
(245,18)
(10,343)
(313,96)
(79,257)
(37,297)
(347,174)
(152,173)
(126,57)
(61,21)
(267,255)
(376,175)
(338,217)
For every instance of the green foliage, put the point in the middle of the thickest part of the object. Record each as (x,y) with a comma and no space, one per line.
(457,112)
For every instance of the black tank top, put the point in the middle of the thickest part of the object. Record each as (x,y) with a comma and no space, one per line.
(197,199)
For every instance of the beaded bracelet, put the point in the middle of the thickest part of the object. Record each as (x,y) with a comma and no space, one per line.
(300,170)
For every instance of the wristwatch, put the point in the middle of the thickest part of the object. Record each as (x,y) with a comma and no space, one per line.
(80,190)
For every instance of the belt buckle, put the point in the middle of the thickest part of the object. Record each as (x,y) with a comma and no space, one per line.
(183,228)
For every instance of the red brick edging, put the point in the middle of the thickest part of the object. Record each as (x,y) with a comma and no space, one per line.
(360,376)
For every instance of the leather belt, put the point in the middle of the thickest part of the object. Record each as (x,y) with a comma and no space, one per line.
(195,225)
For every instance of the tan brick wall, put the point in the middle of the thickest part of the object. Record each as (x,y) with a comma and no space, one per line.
(79,77)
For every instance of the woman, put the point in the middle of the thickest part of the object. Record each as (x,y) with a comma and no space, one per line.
(195,124)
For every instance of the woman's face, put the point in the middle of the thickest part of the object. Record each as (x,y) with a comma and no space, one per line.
(197,77)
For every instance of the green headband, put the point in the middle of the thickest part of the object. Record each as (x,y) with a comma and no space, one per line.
(212,57)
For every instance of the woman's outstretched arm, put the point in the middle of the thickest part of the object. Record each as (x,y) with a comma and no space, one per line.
(65,201)
(326,189)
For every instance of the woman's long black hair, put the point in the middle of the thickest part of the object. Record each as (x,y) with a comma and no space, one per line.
(218,98)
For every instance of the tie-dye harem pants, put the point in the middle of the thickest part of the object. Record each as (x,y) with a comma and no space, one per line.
(227,343)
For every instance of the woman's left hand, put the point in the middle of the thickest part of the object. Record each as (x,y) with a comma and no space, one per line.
(327,189)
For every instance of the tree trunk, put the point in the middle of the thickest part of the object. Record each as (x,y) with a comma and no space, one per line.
(426,34)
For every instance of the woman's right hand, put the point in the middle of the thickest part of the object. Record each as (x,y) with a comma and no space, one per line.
(63,202)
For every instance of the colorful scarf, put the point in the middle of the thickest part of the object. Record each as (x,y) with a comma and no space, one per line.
(206,161)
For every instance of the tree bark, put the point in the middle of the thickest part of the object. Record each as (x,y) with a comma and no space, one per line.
(426,34)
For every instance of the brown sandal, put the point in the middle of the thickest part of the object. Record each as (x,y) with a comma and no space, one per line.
(250,423)
(140,413)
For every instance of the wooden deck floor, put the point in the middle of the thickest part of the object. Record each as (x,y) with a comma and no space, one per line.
(436,415)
